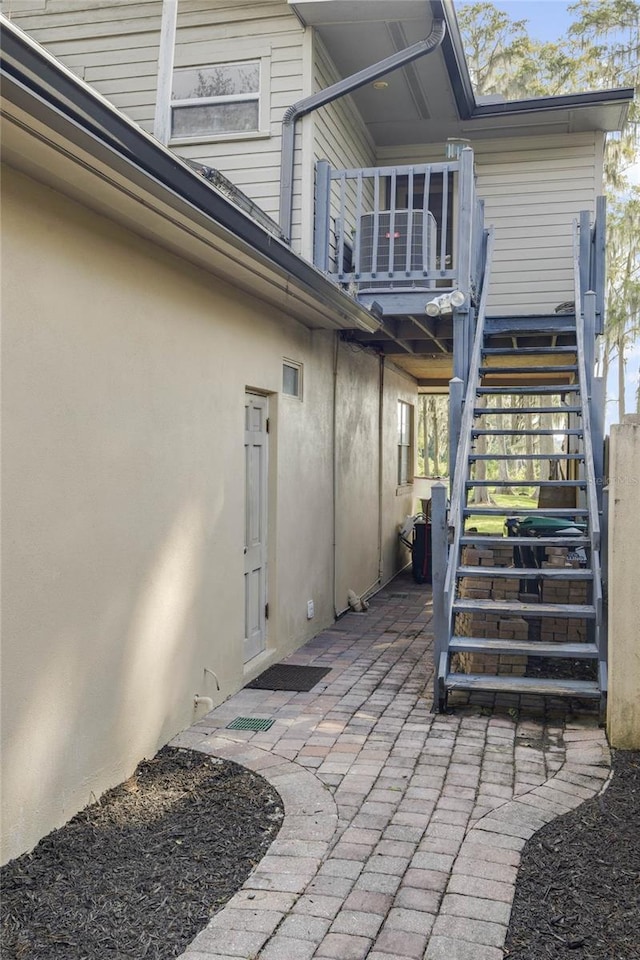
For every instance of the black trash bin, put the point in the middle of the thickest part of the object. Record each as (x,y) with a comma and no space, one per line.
(421,552)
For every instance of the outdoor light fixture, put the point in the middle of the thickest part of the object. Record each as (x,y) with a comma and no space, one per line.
(444,303)
(380,85)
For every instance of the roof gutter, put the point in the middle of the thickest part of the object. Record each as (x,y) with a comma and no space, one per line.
(470,109)
(48,90)
(334,92)
(455,59)
(566,101)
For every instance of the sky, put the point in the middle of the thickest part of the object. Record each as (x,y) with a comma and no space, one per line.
(548,19)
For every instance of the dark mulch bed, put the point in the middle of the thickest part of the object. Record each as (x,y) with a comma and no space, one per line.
(140,872)
(578,890)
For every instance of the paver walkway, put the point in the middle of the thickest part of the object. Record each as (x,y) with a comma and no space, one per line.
(403,829)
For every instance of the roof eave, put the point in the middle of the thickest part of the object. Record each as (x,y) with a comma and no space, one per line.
(571,101)
(470,109)
(31,70)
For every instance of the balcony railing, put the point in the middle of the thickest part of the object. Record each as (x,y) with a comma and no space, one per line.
(407,229)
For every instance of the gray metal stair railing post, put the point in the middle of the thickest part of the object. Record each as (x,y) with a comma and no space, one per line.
(439,560)
(456,399)
(585,326)
(598,272)
(589,313)
(596,392)
(466,213)
(465,256)
(322,216)
(585,252)
(458,489)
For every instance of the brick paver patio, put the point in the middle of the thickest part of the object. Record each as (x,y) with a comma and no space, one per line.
(403,829)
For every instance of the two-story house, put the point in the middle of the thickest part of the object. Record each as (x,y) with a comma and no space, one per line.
(239,238)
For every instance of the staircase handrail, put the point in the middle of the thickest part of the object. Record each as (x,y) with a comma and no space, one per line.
(589,466)
(456,514)
(585,395)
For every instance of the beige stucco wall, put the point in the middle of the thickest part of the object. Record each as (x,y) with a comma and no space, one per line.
(364,491)
(125,372)
(623,708)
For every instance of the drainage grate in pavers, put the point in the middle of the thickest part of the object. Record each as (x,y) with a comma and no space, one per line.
(289,676)
(250,723)
(398,596)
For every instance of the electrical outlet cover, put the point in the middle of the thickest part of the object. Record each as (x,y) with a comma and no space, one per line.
(310,610)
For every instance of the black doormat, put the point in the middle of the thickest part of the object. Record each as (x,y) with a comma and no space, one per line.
(289,676)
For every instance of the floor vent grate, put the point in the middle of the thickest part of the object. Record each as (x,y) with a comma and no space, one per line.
(250,723)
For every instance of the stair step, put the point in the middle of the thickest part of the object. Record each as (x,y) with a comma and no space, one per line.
(527,573)
(506,512)
(569,368)
(573,651)
(532,325)
(526,456)
(514,608)
(511,352)
(510,411)
(532,390)
(524,541)
(563,431)
(523,483)
(584,689)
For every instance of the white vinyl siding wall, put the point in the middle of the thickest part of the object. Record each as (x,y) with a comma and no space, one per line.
(215,31)
(533,188)
(340,135)
(114,46)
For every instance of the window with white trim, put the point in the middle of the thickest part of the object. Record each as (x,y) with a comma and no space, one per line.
(405,443)
(221,100)
(292,379)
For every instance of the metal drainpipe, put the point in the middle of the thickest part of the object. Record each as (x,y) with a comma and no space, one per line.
(380,469)
(334,471)
(334,92)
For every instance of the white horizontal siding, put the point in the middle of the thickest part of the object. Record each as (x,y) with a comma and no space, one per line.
(210,32)
(340,137)
(533,187)
(112,45)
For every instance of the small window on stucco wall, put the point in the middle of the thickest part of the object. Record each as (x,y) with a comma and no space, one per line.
(405,443)
(292,379)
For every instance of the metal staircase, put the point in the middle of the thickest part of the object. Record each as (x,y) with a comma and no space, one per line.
(493,615)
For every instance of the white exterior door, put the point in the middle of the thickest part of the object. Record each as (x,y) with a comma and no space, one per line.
(255,525)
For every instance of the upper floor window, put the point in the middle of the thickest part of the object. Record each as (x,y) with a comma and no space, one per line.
(214,101)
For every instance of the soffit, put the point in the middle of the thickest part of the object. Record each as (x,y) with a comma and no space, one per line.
(357,35)
(418,106)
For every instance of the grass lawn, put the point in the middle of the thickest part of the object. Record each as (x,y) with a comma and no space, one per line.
(514,503)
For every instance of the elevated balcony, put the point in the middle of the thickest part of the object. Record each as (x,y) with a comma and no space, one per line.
(403,240)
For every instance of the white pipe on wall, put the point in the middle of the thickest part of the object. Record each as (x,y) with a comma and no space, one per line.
(207,701)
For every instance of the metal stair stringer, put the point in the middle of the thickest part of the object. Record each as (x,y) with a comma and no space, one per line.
(444,615)
(448,644)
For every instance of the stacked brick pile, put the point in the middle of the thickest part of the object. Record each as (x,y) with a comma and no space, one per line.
(488,624)
(556,630)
